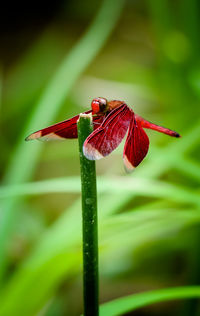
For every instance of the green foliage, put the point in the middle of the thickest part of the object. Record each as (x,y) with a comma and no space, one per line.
(132,302)
(149,220)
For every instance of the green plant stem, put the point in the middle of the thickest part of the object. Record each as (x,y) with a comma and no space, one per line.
(89,224)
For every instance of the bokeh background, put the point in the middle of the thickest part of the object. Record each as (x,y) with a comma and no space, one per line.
(55,58)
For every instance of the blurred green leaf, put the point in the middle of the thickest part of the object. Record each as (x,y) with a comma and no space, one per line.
(59,251)
(25,157)
(137,185)
(135,301)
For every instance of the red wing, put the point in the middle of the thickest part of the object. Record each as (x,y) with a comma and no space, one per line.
(109,135)
(65,129)
(146,124)
(136,146)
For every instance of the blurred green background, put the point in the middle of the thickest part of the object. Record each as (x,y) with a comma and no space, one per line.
(54,60)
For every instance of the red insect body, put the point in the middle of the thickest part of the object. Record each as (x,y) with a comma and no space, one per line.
(161,129)
(111,121)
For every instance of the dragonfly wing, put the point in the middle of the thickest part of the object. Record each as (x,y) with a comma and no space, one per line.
(109,134)
(136,146)
(62,130)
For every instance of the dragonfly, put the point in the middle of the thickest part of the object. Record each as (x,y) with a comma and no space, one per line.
(111,121)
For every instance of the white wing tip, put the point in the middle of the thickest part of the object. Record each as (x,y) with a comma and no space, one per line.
(34,136)
(127,164)
(91,153)
(38,135)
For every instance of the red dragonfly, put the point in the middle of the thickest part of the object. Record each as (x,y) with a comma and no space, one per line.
(111,120)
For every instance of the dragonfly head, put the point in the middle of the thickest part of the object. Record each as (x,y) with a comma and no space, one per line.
(99,106)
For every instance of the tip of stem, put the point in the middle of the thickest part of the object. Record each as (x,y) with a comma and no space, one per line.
(85,115)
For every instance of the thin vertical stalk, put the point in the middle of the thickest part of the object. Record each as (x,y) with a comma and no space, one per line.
(89,224)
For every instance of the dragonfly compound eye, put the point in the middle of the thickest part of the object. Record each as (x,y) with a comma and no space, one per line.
(99,105)
(95,106)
